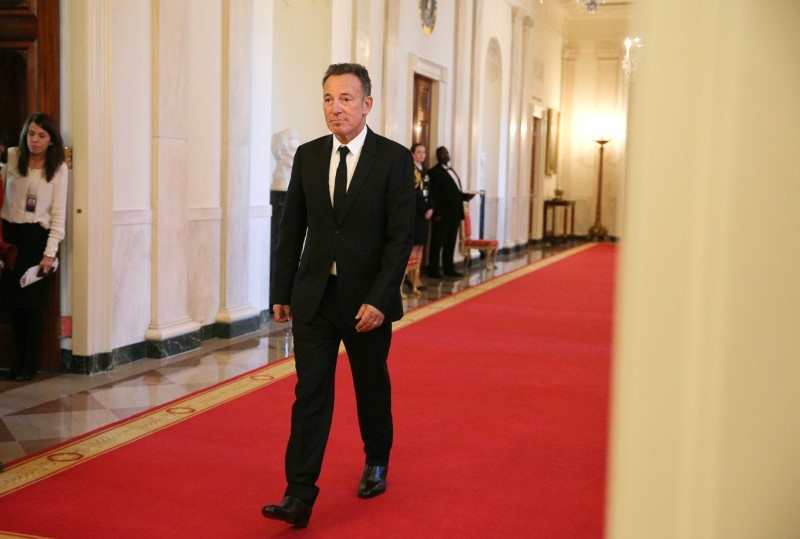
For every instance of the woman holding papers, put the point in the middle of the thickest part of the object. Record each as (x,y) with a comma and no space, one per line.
(34,215)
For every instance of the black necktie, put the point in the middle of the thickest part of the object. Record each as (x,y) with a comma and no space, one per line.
(340,185)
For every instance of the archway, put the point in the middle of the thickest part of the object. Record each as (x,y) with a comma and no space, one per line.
(488,165)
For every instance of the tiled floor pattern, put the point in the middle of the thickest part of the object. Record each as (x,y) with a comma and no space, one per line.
(53,408)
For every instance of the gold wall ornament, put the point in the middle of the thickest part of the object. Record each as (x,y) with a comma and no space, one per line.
(68,156)
(427,15)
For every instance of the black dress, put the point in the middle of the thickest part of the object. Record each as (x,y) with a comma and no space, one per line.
(421,206)
(30,239)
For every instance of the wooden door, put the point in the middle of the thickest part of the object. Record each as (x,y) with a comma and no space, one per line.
(29,82)
(423,114)
(423,105)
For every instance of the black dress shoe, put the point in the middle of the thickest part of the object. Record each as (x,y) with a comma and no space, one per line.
(434,274)
(453,273)
(373,481)
(292,510)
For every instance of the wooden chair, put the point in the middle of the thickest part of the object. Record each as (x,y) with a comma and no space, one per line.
(467,243)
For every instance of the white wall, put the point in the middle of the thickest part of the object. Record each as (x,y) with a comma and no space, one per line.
(489,149)
(593,94)
(131,102)
(204,100)
(205,139)
(407,46)
(110,94)
(261,160)
(293,41)
(301,54)
(543,87)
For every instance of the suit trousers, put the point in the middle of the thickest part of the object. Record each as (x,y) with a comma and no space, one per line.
(27,326)
(444,236)
(316,349)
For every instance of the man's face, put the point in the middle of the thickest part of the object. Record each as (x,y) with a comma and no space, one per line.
(444,157)
(345,107)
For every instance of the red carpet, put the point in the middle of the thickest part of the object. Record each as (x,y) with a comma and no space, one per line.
(501,427)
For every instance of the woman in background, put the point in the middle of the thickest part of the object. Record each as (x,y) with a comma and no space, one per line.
(34,216)
(422,215)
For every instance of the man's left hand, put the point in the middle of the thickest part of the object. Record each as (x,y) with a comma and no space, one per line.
(369,318)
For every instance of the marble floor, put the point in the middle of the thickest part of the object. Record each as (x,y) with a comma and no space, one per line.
(52,408)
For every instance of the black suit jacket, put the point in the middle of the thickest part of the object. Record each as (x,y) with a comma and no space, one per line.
(370,240)
(446,198)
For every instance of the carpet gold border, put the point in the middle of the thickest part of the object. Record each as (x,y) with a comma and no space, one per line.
(438,306)
(69,455)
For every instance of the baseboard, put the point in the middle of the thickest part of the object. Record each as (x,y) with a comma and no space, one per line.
(107,361)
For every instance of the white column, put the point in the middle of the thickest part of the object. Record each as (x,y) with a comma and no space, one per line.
(170,322)
(460,130)
(88,31)
(237,60)
(514,204)
(705,425)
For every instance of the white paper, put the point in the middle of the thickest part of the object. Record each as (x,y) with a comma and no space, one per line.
(32,275)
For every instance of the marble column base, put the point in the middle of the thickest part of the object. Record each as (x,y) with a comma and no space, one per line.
(173,345)
(106,361)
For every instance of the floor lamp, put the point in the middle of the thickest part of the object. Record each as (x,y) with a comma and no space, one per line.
(598,232)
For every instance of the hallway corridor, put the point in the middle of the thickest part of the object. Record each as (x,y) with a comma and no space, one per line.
(54,407)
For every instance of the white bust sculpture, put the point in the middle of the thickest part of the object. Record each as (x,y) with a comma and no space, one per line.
(284,144)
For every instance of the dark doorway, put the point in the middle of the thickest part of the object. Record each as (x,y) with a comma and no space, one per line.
(29,82)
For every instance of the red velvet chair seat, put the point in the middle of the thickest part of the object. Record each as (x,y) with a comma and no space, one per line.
(489,246)
(480,244)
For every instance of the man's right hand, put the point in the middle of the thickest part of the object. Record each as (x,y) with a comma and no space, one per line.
(281,313)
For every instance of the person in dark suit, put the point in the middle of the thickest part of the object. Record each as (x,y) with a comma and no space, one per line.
(341,255)
(447,201)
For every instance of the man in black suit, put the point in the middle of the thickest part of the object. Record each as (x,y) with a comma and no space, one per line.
(447,201)
(344,241)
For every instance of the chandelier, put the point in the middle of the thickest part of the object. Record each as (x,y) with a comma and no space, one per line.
(631,58)
(591,5)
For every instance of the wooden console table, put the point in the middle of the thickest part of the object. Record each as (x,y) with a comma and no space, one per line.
(568,226)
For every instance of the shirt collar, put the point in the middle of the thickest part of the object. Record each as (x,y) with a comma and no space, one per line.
(354,145)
